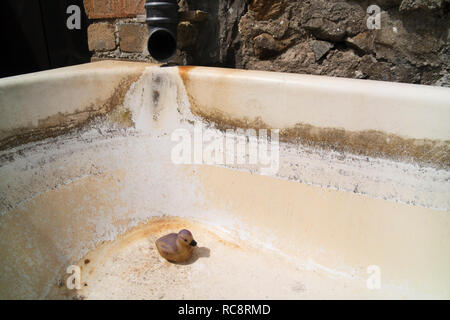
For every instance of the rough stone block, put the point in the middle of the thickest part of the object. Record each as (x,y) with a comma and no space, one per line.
(187,35)
(101,37)
(266,9)
(133,37)
(100,9)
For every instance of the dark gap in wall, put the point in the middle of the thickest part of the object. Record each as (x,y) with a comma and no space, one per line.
(66,47)
(44,32)
(23,39)
(345,46)
(35,36)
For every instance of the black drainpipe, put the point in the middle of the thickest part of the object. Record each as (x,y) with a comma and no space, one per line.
(162,21)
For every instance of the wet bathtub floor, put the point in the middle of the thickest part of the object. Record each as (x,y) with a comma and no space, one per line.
(131,268)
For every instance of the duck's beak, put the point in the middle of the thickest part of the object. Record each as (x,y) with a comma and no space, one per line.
(193,243)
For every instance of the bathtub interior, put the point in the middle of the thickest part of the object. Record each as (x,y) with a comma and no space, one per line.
(98,185)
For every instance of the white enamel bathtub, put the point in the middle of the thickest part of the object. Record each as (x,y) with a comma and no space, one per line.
(357,205)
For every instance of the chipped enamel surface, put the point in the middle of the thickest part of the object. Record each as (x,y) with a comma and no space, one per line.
(101,188)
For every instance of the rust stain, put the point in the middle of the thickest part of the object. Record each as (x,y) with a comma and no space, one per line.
(156,227)
(229,244)
(184,72)
(148,231)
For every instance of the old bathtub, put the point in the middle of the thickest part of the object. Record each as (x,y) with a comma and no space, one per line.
(354,203)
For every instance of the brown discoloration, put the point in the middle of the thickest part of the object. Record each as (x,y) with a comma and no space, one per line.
(229,244)
(62,123)
(122,117)
(184,72)
(222,122)
(372,143)
(368,143)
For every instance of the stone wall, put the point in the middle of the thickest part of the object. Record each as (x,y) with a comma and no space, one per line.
(324,37)
(332,38)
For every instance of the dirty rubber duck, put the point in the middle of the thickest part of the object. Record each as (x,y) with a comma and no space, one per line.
(176,247)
